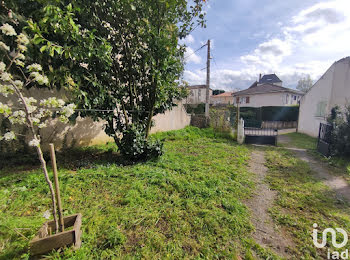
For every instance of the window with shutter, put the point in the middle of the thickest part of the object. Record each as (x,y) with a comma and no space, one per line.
(247,100)
(321,109)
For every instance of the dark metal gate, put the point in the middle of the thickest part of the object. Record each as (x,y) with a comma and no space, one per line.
(254,134)
(324,139)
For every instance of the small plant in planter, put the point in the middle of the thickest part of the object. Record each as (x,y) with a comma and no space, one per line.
(15,77)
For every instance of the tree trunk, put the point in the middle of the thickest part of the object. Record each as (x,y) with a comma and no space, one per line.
(149,121)
(53,199)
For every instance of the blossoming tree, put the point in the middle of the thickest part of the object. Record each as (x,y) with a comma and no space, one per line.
(15,77)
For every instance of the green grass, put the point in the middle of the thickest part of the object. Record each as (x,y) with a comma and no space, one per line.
(302,141)
(187,204)
(339,165)
(302,201)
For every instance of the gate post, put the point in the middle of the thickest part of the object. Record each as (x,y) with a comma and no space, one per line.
(240,132)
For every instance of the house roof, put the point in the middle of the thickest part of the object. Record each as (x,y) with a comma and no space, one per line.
(270,79)
(265,88)
(226,94)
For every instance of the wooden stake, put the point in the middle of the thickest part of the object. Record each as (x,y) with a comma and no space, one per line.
(57,186)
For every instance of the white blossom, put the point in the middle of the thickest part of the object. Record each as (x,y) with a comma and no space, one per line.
(30,104)
(47,214)
(4,46)
(84,65)
(18,117)
(41,79)
(42,125)
(20,56)
(2,66)
(5,109)
(18,83)
(22,48)
(35,120)
(5,76)
(61,102)
(43,113)
(8,30)
(22,39)
(68,110)
(30,100)
(34,67)
(31,108)
(19,63)
(52,102)
(5,90)
(9,136)
(34,142)
(118,56)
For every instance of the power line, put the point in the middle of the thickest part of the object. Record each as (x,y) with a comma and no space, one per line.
(196,51)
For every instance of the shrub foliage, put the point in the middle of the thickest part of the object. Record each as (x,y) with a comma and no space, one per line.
(340,138)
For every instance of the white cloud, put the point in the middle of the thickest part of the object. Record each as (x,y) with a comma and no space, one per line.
(308,44)
(191,56)
(269,54)
(189,40)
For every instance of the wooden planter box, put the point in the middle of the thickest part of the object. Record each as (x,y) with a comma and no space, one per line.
(44,243)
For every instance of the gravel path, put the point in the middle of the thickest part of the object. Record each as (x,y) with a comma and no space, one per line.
(265,233)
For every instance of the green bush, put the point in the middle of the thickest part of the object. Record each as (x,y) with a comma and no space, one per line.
(198,109)
(219,120)
(340,137)
(136,147)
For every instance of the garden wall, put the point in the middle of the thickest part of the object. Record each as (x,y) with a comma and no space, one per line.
(85,131)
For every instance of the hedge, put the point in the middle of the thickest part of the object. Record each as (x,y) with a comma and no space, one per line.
(282,113)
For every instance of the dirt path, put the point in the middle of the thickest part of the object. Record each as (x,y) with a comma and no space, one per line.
(265,233)
(322,171)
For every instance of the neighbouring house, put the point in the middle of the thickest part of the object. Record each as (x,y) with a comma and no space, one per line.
(332,89)
(197,94)
(222,99)
(268,91)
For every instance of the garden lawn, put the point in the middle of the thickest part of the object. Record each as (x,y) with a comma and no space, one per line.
(339,165)
(187,204)
(302,200)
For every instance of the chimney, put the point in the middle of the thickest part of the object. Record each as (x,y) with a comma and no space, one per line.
(259,77)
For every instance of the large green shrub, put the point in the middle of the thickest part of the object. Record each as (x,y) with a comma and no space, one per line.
(136,146)
(220,120)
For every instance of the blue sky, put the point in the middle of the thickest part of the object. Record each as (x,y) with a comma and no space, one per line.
(291,38)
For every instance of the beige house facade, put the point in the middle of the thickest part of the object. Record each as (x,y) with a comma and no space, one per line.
(332,89)
(222,99)
(197,94)
(268,91)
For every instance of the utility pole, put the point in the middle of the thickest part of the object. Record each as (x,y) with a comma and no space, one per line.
(208,83)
